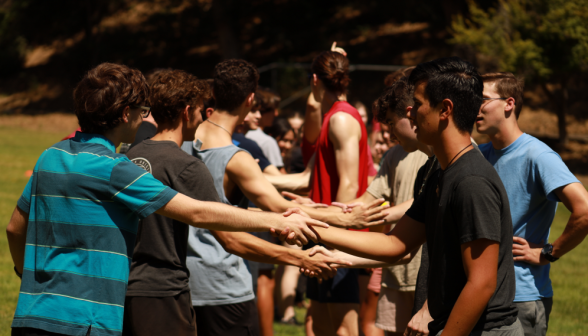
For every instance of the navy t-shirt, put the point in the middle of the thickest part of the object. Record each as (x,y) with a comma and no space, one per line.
(252,147)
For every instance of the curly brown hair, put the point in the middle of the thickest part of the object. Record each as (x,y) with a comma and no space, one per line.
(172,91)
(395,98)
(234,80)
(104,92)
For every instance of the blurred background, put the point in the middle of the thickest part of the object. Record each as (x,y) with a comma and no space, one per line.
(46,46)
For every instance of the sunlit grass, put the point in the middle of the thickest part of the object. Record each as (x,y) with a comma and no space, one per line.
(20,148)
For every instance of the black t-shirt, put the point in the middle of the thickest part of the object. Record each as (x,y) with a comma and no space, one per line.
(158,267)
(252,147)
(146,131)
(472,204)
(430,168)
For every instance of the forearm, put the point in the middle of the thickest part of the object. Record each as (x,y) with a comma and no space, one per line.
(217,216)
(347,191)
(359,262)
(574,233)
(396,212)
(253,248)
(290,182)
(272,170)
(370,245)
(467,310)
(16,232)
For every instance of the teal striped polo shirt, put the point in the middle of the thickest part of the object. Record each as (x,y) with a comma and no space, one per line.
(84,203)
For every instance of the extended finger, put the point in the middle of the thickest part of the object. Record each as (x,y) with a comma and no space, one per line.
(375,203)
(376,223)
(376,210)
(377,216)
(317,205)
(519,240)
(314,250)
(310,234)
(340,205)
(314,222)
(289,195)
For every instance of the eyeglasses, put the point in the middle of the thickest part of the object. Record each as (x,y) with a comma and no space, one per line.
(494,98)
(145,110)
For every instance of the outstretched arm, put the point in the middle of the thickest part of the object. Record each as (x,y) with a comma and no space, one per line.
(407,236)
(253,248)
(256,188)
(222,217)
(16,232)
(292,182)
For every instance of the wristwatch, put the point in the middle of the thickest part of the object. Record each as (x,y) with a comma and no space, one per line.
(546,252)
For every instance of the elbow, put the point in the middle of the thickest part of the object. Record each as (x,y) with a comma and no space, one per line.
(485,288)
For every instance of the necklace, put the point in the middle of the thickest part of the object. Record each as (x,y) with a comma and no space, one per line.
(450,162)
(427,176)
(217,125)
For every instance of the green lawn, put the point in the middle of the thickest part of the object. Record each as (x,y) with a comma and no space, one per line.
(19,150)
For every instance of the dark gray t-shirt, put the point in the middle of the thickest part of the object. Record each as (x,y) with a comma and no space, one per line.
(471,204)
(159,267)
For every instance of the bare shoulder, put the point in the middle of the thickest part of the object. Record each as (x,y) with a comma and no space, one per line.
(242,164)
(343,124)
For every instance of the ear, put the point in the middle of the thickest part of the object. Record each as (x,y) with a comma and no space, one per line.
(446,109)
(186,114)
(276,112)
(408,110)
(510,106)
(314,80)
(209,111)
(125,114)
(249,100)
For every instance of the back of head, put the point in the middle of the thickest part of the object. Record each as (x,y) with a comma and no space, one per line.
(172,91)
(454,79)
(507,85)
(396,98)
(234,80)
(332,68)
(104,92)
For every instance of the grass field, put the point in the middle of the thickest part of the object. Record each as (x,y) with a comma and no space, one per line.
(21,146)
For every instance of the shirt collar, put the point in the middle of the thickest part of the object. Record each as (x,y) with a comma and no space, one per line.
(94,138)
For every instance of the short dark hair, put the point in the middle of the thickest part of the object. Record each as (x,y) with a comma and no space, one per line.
(395,98)
(172,91)
(234,80)
(267,100)
(455,79)
(279,128)
(332,68)
(208,103)
(396,75)
(104,92)
(507,85)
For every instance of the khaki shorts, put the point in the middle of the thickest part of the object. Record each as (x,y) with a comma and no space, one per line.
(394,309)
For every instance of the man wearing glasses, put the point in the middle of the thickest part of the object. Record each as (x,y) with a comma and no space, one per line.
(536,179)
(72,233)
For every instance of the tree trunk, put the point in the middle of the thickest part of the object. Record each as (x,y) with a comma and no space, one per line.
(228,44)
(559,103)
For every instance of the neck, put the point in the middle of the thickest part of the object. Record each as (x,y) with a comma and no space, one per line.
(330,98)
(229,121)
(450,146)
(115,136)
(428,150)
(506,135)
(169,133)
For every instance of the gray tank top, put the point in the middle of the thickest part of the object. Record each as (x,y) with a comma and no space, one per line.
(216,276)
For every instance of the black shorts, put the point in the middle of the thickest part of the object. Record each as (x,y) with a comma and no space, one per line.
(170,315)
(239,319)
(343,288)
(267,236)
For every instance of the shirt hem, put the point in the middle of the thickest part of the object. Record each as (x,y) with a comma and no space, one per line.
(157,293)
(61,329)
(200,303)
(162,199)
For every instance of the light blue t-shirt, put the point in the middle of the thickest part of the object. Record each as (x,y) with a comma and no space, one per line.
(530,171)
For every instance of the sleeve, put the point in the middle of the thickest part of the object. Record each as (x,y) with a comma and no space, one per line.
(24,202)
(552,173)
(138,190)
(476,208)
(380,188)
(274,155)
(196,182)
(418,209)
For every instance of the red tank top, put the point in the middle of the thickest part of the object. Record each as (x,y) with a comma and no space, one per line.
(325,178)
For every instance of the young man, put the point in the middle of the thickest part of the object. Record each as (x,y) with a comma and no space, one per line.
(536,179)
(72,233)
(463,212)
(227,306)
